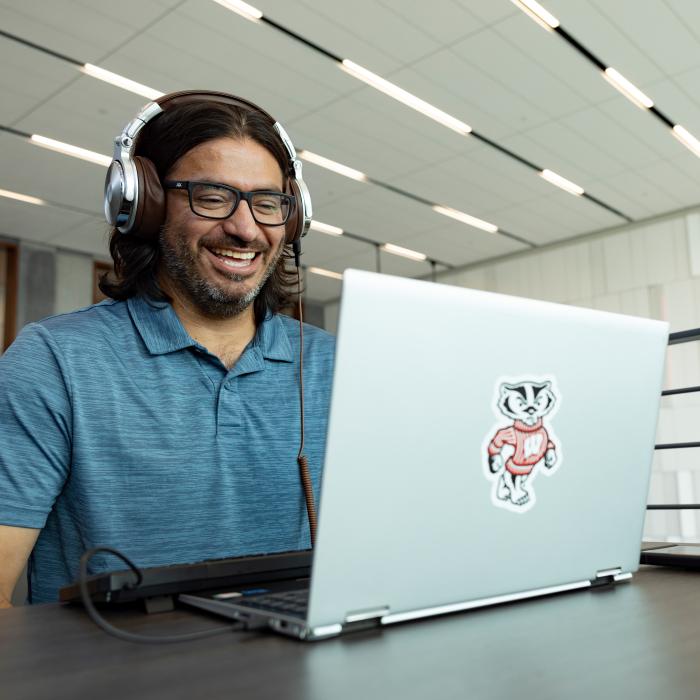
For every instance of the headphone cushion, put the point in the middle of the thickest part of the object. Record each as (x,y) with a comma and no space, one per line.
(295,225)
(150,205)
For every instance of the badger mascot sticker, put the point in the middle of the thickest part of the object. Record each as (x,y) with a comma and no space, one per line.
(522,444)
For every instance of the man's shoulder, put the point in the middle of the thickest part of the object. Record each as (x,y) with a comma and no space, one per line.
(92,319)
(84,327)
(313,335)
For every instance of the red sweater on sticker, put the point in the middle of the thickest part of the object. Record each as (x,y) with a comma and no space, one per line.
(531,442)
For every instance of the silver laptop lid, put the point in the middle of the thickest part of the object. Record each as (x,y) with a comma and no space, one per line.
(431,382)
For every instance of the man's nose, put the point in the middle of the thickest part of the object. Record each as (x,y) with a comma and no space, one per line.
(241,223)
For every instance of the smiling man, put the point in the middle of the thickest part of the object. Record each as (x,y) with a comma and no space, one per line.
(165,422)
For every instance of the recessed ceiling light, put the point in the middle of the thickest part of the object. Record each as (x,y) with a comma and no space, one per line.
(403,252)
(465,218)
(326,228)
(687,139)
(120,81)
(22,197)
(325,273)
(332,165)
(242,8)
(628,89)
(405,97)
(562,182)
(70,150)
(535,11)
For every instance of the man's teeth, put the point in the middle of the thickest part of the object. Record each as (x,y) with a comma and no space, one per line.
(233,254)
(234,258)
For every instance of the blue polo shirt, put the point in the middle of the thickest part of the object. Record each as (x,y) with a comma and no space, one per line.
(118,429)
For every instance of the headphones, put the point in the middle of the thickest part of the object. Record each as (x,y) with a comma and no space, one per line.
(134,200)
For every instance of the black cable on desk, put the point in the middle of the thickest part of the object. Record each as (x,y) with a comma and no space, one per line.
(123,634)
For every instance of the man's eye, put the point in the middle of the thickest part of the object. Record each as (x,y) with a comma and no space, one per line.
(211,199)
(267,206)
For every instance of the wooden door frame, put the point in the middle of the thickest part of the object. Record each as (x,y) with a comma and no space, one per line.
(10,330)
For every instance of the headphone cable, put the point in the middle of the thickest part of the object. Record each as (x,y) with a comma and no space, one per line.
(302,461)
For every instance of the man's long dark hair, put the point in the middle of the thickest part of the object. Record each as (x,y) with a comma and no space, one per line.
(164,141)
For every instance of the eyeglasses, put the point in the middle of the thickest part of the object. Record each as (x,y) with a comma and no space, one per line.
(215,201)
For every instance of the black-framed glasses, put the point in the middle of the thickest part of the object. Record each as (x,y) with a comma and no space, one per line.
(213,200)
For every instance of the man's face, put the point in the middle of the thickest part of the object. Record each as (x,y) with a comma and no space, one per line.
(198,254)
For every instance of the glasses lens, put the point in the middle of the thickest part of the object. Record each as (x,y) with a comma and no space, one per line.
(213,201)
(270,208)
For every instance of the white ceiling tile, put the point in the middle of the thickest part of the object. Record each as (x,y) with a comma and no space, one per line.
(555,56)
(638,122)
(445,24)
(503,111)
(85,31)
(636,186)
(489,11)
(648,27)
(511,66)
(675,180)
(28,76)
(688,13)
(614,135)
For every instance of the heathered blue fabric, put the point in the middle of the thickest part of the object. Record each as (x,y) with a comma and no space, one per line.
(118,429)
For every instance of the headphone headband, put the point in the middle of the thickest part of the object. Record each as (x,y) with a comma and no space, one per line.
(134,201)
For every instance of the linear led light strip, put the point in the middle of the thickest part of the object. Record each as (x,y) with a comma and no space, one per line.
(324,273)
(545,19)
(70,150)
(27,199)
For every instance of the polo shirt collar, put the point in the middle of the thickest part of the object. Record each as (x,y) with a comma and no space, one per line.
(272,340)
(162,331)
(159,326)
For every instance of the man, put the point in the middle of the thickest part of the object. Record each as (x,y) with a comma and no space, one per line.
(166,422)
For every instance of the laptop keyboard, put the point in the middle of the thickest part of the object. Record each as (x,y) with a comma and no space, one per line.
(292,603)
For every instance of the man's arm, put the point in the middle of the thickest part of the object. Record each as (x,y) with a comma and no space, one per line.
(16,544)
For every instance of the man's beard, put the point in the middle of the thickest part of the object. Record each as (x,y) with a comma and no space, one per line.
(212,300)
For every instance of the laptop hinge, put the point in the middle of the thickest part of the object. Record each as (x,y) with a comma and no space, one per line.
(609,576)
(366,615)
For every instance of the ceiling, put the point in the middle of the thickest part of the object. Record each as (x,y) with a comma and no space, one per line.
(482,61)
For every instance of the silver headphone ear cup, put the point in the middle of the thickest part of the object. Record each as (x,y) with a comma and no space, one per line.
(114,194)
(120,183)
(298,225)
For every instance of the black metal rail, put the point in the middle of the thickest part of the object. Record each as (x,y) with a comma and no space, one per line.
(676,339)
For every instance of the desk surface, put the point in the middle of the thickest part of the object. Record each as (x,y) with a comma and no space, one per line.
(637,640)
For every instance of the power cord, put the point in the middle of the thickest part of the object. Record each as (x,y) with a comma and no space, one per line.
(123,634)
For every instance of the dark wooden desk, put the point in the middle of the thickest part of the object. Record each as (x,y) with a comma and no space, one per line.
(638,640)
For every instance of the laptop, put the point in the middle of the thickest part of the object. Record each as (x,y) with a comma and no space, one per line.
(481,449)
